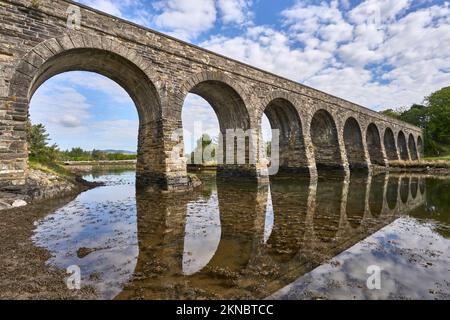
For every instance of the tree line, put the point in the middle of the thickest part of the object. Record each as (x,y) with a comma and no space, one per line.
(433,116)
(40,149)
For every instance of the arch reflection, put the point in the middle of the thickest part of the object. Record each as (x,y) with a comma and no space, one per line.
(269,234)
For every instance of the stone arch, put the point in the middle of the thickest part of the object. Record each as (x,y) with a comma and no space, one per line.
(225,96)
(420,146)
(412,148)
(229,102)
(79,52)
(284,117)
(389,145)
(374,145)
(354,144)
(403,147)
(325,139)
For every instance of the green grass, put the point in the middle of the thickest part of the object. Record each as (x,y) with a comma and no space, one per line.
(445,153)
(445,158)
(49,167)
(438,164)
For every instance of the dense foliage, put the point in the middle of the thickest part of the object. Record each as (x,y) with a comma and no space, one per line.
(433,117)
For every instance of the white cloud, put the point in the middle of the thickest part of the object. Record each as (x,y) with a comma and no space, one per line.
(393,63)
(108,6)
(47,107)
(185,19)
(271,50)
(94,81)
(235,11)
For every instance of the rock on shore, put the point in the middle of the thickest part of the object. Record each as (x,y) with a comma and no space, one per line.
(40,186)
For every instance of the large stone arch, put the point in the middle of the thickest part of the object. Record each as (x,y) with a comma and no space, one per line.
(110,58)
(412,148)
(374,145)
(354,145)
(325,139)
(284,117)
(230,104)
(389,145)
(402,146)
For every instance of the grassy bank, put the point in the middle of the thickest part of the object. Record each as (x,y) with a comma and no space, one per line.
(422,164)
(49,167)
(441,158)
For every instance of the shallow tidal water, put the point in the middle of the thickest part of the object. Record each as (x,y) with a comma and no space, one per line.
(294,238)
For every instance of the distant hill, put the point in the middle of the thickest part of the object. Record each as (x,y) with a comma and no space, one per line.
(111,151)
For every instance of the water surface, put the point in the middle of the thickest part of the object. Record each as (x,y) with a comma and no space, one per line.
(294,238)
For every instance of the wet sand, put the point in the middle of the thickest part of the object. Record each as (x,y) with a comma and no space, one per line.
(23,271)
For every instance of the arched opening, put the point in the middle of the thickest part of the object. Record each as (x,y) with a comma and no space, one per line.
(374,145)
(412,148)
(285,122)
(150,164)
(403,148)
(201,133)
(354,144)
(324,136)
(389,145)
(420,147)
(88,116)
(233,154)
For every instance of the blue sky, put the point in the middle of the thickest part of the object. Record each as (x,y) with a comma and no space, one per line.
(378,53)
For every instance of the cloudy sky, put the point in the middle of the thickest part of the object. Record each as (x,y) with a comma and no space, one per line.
(378,53)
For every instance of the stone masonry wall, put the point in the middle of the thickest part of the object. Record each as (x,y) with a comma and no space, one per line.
(158,72)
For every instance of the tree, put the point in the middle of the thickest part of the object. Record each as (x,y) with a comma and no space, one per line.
(205,143)
(38,144)
(98,155)
(391,113)
(438,104)
(269,149)
(433,118)
(416,115)
(77,153)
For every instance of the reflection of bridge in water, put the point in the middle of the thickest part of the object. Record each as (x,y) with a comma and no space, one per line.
(313,221)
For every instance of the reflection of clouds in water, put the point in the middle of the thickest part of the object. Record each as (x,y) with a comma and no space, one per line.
(268,225)
(202,234)
(102,220)
(413,257)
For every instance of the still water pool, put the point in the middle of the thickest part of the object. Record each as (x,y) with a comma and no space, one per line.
(293,238)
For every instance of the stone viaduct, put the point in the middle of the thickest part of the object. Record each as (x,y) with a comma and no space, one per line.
(317,130)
